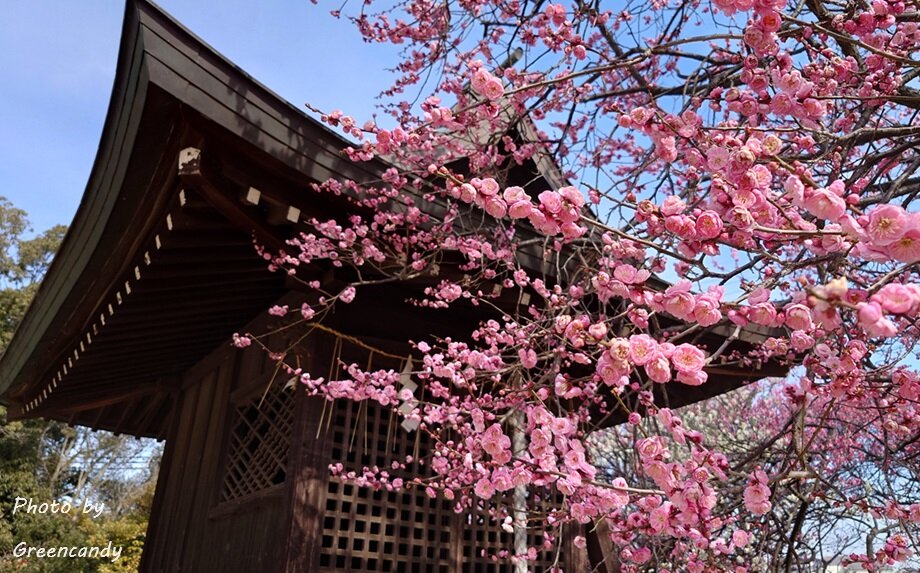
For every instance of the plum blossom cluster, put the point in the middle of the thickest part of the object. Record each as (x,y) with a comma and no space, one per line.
(878,313)
(757,494)
(751,168)
(660,361)
(554,212)
(555,455)
(486,84)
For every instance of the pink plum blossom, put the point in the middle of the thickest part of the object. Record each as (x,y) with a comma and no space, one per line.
(659,369)
(642,349)
(708,225)
(757,494)
(824,204)
(347,295)
(798,317)
(887,224)
(688,359)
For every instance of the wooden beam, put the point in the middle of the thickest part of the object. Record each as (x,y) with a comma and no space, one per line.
(99,403)
(195,175)
(149,413)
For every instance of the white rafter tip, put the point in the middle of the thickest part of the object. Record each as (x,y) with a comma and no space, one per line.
(252,196)
(188,157)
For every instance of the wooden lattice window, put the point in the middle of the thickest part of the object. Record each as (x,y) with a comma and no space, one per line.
(483,538)
(371,530)
(375,530)
(257,452)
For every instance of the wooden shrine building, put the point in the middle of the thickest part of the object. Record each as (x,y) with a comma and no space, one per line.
(130,332)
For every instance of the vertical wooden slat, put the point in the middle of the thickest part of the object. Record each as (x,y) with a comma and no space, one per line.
(157,524)
(208,480)
(604,555)
(197,440)
(177,450)
(456,543)
(574,558)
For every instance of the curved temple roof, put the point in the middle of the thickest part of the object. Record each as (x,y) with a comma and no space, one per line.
(171,90)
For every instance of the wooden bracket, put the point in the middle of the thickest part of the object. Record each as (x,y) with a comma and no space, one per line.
(190,161)
(195,174)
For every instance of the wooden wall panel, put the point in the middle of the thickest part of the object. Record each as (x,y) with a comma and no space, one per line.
(197,439)
(190,533)
(161,538)
(244,542)
(205,487)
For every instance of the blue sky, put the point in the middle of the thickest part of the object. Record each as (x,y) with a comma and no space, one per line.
(57,63)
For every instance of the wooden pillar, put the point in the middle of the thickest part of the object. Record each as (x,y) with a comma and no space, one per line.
(308,476)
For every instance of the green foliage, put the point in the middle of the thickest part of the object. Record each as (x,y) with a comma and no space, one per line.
(23,262)
(13,305)
(21,445)
(128,532)
(39,458)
